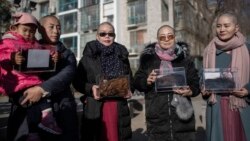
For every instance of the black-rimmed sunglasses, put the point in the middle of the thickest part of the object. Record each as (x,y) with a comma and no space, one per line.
(166,38)
(103,34)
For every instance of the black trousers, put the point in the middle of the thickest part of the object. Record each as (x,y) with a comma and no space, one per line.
(24,120)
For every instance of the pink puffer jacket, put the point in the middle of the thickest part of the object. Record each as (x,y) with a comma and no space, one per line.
(11,80)
(2,91)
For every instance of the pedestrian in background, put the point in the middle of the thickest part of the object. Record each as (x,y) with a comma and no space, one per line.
(104,119)
(164,122)
(228,113)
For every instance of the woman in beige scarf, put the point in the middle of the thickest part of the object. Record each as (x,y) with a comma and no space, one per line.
(227,114)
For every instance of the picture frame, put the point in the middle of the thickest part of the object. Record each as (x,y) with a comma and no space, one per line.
(169,79)
(113,87)
(220,80)
(36,60)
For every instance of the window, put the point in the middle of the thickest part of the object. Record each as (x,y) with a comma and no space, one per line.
(164,10)
(106,1)
(69,22)
(110,18)
(71,43)
(136,12)
(86,38)
(137,40)
(44,9)
(90,2)
(65,5)
(90,17)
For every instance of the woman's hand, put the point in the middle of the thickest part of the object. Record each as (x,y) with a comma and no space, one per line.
(95,90)
(32,95)
(241,93)
(204,92)
(185,91)
(151,78)
(55,57)
(129,95)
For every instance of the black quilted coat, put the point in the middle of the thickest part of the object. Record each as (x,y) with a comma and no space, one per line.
(162,121)
(89,68)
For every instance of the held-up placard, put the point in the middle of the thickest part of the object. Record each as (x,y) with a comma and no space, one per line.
(169,79)
(220,80)
(36,60)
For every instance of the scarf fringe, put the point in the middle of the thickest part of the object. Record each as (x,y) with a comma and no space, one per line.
(235,103)
(240,60)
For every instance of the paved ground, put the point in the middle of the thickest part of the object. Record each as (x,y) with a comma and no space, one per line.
(139,123)
(138,117)
(4,112)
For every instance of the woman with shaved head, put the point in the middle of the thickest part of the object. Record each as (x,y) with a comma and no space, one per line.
(167,119)
(228,113)
(56,86)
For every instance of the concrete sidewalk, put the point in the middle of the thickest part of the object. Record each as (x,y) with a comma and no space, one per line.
(139,123)
(137,107)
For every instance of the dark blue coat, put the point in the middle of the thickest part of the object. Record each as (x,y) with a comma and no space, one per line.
(58,85)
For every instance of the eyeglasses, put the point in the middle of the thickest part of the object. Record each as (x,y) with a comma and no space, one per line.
(166,38)
(103,34)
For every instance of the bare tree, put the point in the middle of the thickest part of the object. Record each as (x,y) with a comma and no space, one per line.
(240,7)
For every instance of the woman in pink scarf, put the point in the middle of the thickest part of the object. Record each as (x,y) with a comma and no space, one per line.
(228,114)
(169,114)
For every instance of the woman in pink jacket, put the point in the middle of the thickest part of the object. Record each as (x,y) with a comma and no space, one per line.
(13,82)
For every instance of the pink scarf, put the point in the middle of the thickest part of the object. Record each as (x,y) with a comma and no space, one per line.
(240,60)
(166,56)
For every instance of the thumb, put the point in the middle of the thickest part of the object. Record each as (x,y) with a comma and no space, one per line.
(25,94)
(26,99)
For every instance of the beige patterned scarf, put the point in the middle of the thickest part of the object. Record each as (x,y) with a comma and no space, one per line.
(240,60)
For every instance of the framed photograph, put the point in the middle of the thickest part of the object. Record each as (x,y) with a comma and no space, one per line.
(220,80)
(113,87)
(36,60)
(168,79)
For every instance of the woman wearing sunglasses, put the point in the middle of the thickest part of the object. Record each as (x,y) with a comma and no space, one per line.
(169,113)
(104,118)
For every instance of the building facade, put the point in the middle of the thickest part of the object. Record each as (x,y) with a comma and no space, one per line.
(135,21)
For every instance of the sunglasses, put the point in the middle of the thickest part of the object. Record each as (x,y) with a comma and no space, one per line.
(166,38)
(103,34)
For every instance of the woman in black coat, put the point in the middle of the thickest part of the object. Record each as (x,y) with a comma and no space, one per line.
(103,56)
(169,114)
